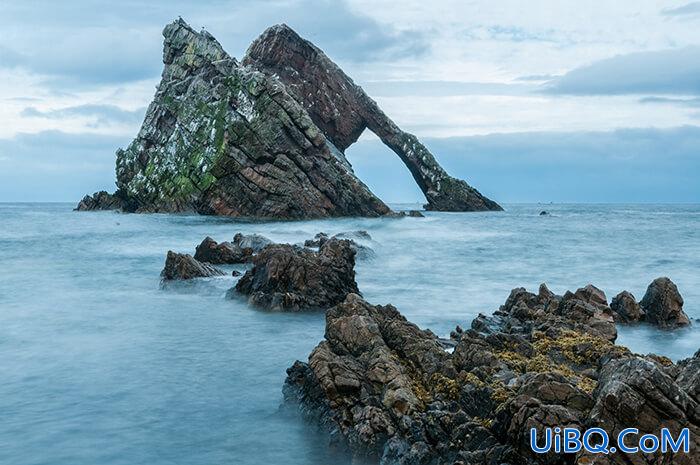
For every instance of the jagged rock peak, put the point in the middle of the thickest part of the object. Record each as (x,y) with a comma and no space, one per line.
(183,43)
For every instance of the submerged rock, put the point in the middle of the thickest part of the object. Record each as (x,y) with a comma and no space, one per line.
(211,251)
(254,242)
(223,138)
(184,266)
(663,304)
(362,252)
(288,277)
(389,393)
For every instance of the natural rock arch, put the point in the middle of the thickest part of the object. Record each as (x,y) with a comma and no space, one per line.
(247,140)
(342,110)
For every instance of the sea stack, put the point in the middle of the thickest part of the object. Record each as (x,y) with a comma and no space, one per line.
(248,140)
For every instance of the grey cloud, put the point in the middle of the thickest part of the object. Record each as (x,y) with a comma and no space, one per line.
(682,102)
(100,56)
(537,77)
(343,33)
(689,9)
(442,88)
(675,71)
(76,44)
(519,34)
(102,114)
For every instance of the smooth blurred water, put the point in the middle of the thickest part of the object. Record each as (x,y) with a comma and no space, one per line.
(101,366)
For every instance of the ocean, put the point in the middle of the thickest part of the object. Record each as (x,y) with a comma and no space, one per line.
(101,365)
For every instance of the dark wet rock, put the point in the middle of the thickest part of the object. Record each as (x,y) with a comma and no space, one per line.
(102,201)
(626,309)
(544,213)
(288,277)
(223,138)
(235,273)
(356,235)
(389,392)
(342,111)
(184,266)
(363,252)
(405,214)
(224,253)
(254,242)
(663,304)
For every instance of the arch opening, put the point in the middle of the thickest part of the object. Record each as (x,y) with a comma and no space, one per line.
(383,172)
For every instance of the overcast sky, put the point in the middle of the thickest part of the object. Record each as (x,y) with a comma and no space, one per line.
(504,92)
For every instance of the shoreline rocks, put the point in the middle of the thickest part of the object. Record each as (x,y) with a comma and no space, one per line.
(289,277)
(245,140)
(180,266)
(388,393)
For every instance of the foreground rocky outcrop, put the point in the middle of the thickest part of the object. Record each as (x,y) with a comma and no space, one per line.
(389,393)
(224,138)
(289,277)
(180,266)
(662,305)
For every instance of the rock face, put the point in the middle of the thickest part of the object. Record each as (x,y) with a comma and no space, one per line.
(663,304)
(226,139)
(183,266)
(389,393)
(342,110)
(211,251)
(288,277)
